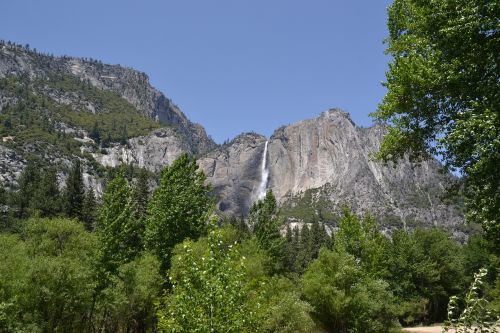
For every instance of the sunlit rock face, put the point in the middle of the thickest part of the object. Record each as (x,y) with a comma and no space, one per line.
(153,151)
(332,156)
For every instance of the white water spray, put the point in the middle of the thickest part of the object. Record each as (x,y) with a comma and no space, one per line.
(264,176)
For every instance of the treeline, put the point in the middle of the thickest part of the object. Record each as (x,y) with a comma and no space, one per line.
(163,262)
(37,194)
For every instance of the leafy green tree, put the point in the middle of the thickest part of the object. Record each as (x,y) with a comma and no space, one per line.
(118,230)
(46,279)
(223,286)
(178,209)
(442,97)
(344,298)
(127,304)
(141,194)
(411,274)
(361,239)
(281,308)
(264,219)
(14,268)
(477,254)
(207,291)
(74,192)
(446,255)
(424,268)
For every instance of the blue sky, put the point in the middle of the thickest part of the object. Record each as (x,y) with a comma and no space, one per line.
(231,65)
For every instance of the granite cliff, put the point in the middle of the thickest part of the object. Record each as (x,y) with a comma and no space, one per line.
(319,165)
(62,108)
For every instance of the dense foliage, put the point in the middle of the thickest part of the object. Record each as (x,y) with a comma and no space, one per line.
(142,262)
(222,285)
(442,97)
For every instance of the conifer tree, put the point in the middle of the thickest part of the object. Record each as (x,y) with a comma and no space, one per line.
(74,193)
(95,134)
(304,254)
(89,210)
(296,249)
(28,182)
(46,199)
(178,209)
(266,227)
(316,239)
(290,249)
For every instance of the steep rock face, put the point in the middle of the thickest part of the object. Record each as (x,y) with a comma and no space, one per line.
(233,171)
(332,156)
(130,84)
(153,151)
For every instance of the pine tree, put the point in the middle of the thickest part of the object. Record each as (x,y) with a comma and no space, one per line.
(74,193)
(296,249)
(28,183)
(89,210)
(304,254)
(95,134)
(178,209)
(47,199)
(239,225)
(266,227)
(290,249)
(316,239)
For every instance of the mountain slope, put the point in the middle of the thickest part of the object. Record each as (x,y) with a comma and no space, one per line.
(131,85)
(59,108)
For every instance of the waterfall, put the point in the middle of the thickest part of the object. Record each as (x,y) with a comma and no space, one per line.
(264,172)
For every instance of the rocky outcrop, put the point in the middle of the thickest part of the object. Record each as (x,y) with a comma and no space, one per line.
(153,151)
(333,156)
